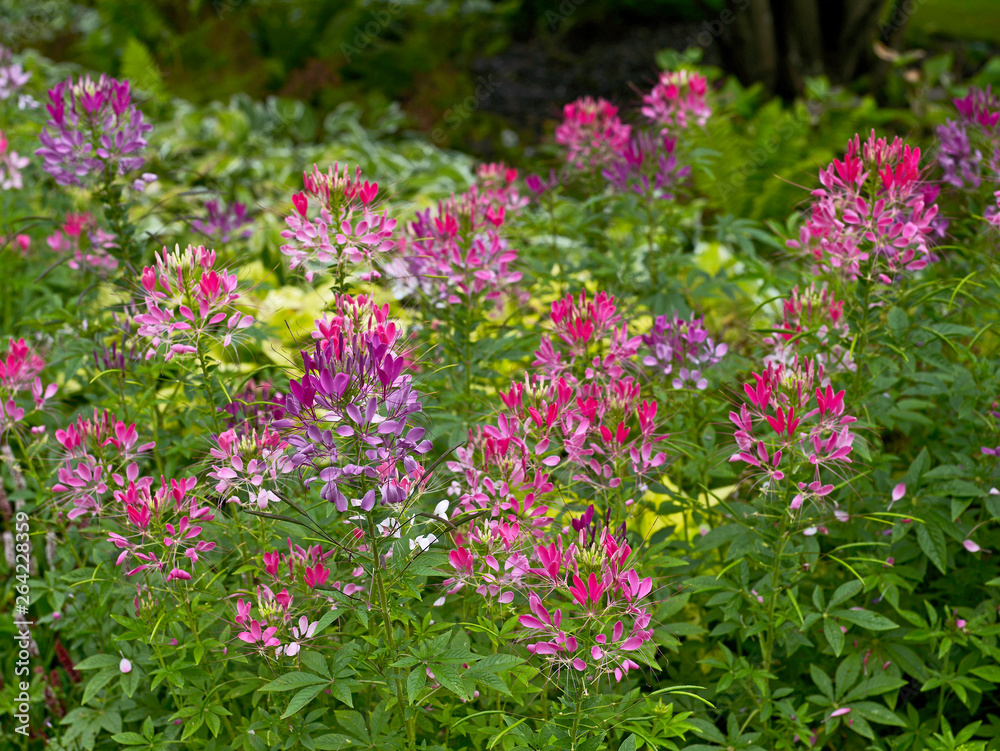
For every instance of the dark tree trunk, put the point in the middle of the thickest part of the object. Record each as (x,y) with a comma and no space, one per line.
(782,42)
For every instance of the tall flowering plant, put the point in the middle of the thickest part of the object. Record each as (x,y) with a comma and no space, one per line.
(334,226)
(457,262)
(677,100)
(347,419)
(188,302)
(873,217)
(591,133)
(20,375)
(94,131)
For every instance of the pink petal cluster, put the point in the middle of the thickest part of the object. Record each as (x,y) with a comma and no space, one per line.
(20,371)
(89,245)
(791,430)
(812,310)
(498,183)
(457,254)
(251,464)
(334,226)
(94,452)
(677,100)
(188,300)
(582,603)
(592,133)
(11,164)
(160,529)
(873,215)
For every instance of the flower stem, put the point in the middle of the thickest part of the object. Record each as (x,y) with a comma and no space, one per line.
(411,730)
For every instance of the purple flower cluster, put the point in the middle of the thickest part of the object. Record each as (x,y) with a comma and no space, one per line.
(961,163)
(346,419)
(647,166)
(12,77)
(94,127)
(223,221)
(685,343)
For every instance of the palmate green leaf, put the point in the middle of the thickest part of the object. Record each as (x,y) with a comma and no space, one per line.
(292,681)
(866,619)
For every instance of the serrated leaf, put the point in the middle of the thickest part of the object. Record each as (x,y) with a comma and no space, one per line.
(353,723)
(877,713)
(333,742)
(98,661)
(315,662)
(822,681)
(845,592)
(342,692)
(129,739)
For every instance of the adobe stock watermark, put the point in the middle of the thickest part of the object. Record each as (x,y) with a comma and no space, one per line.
(566,9)
(713,29)
(901,13)
(364,35)
(22,635)
(455,116)
(736,177)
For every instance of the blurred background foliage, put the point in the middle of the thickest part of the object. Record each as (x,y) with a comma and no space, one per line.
(489,77)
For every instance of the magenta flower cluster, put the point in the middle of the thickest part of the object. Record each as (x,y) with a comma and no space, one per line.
(333,226)
(812,311)
(20,371)
(457,254)
(187,301)
(94,128)
(88,244)
(677,100)
(874,214)
(793,434)
(592,133)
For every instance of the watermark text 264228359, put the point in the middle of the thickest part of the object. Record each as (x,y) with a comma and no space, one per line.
(22,666)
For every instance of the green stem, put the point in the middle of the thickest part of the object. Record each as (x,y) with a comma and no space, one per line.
(411,730)
(209,387)
(576,725)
